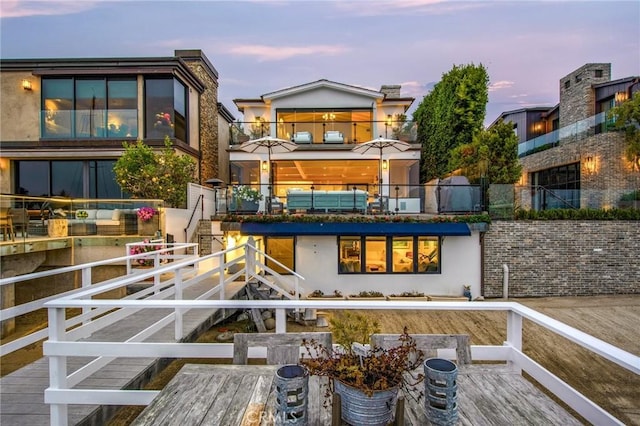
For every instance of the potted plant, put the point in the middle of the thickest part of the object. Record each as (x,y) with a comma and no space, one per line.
(246,198)
(319,294)
(367,379)
(145,247)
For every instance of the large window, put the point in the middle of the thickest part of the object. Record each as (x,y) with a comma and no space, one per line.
(85,108)
(76,179)
(559,187)
(165,108)
(323,125)
(397,254)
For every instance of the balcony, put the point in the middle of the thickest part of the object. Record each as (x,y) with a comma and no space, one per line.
(331,132)
(595,124)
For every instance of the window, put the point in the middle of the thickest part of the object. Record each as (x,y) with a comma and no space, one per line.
(349,125)
(561,187)
(85,108)
(282,250)
(392,254)
(79,179)
(165,108)
(567,84)
(597,73)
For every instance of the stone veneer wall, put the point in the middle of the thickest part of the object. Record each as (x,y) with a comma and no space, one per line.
(577,101)
(613,175)
(562,258)
(203,69)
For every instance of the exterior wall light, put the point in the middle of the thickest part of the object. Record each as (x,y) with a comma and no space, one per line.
(590,165)
(26,84)
(265,166)
(385,164)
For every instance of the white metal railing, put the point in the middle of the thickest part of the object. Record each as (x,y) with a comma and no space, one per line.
(61,344)
(165,253)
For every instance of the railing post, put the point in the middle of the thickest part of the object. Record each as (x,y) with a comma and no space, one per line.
(86,283)
(281,320)
(222,266)
(178,311)
(57,366)
(156,276)
(128,248)
(249,259)
(514,335)
(397,193)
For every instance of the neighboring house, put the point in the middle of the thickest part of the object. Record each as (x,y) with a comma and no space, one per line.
(327,120)
(570,157)
(63,121)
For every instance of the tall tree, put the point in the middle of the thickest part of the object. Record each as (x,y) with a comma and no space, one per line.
(449,116)
(492,153)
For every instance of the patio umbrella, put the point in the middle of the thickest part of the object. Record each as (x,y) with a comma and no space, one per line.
(381,146)
(270,145)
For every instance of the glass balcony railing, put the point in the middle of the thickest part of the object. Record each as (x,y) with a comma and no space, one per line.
(595,124)
(87,124)
(324,132)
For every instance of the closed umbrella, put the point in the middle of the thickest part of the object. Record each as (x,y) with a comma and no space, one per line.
(269,145)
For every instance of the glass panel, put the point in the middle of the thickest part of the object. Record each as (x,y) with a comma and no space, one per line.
(245,173)
(180,105)
(376,254)
(159,110)
(91,105)
(402,254)
(57,99)
(428,254)
(66,178)
(350,255)
(281,249)
(122,115)
(102,180)
(32,178)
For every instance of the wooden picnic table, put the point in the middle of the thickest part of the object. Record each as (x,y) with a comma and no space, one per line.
(232,395)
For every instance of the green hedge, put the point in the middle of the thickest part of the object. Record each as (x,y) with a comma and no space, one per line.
(578,214)
(319,218)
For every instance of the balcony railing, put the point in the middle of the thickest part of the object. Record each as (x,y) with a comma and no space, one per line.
(595,124)
(324,132)
(26,220)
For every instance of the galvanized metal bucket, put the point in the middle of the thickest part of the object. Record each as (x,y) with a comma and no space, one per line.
(360,409)
(441,391)
(292,389)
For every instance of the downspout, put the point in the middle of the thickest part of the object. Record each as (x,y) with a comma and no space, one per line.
(505,281)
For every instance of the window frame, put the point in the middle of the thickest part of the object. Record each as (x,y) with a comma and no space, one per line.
(347,263)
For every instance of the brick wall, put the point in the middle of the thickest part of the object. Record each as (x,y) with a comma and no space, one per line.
(562,258)
(577,100)
(612,177)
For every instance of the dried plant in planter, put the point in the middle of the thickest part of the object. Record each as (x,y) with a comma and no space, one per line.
(374,370)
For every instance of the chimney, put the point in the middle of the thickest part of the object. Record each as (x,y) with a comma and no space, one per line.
(391,90)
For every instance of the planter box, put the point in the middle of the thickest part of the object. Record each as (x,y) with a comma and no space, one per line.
(448,298)
(408,298)
(327,297)
(366,298)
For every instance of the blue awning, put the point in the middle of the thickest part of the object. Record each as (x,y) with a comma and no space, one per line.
(332,228)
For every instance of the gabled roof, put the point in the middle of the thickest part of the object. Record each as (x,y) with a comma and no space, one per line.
(543,109)
(320,84)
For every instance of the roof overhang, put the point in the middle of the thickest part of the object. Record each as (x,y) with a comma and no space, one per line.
(322,84)
(355,229)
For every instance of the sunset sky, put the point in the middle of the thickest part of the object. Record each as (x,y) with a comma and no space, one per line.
(261,46)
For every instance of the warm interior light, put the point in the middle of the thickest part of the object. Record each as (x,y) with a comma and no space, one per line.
(265,166)
(385,164)
(328,116)
(621,97)
(26,84)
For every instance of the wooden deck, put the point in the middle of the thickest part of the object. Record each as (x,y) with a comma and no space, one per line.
(22,392)
(230,395)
